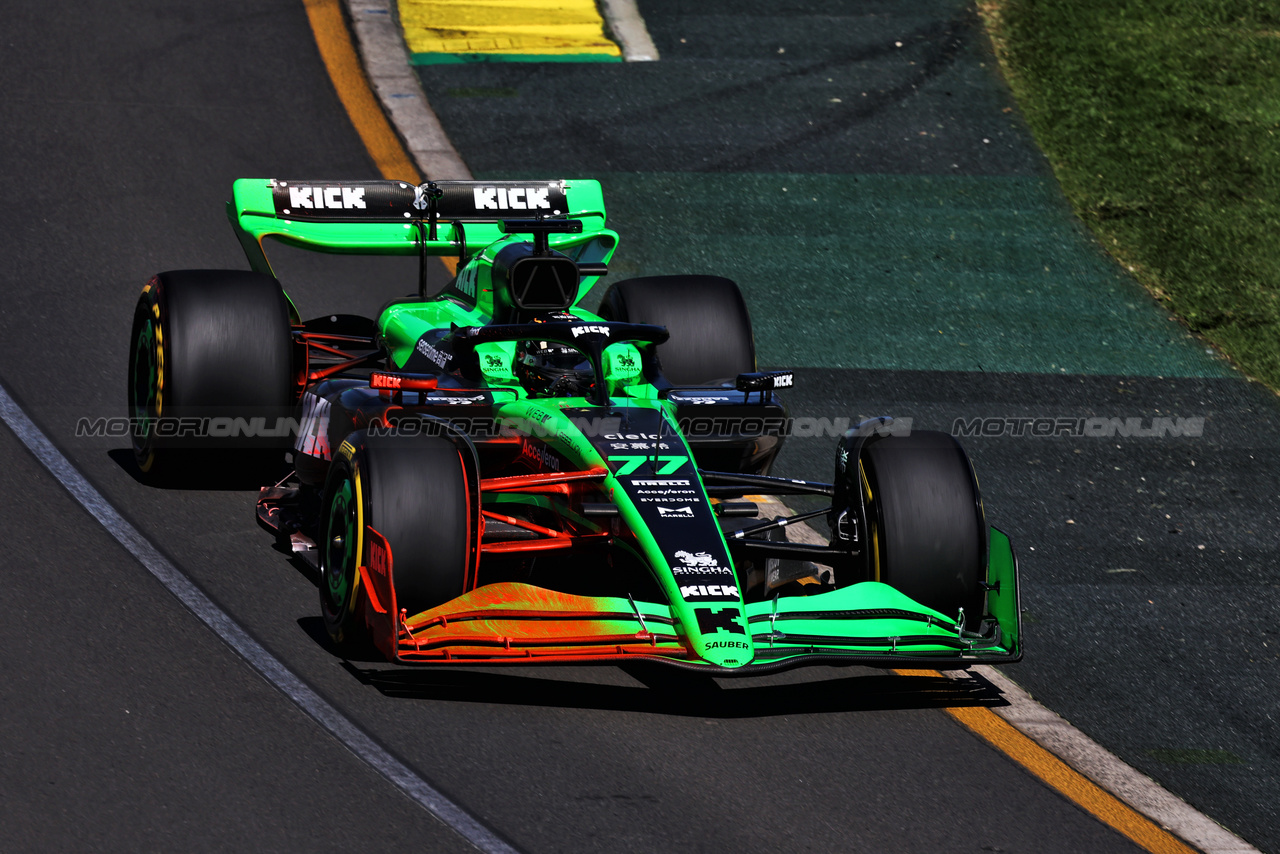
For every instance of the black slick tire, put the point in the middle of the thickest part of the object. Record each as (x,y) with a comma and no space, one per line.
(415,492)
(207,344)
(928,534)
(710,328)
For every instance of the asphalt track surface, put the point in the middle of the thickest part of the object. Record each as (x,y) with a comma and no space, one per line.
(127,725)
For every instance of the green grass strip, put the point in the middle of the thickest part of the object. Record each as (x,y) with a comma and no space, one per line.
(457,58)
(1194,756)
(1161,119)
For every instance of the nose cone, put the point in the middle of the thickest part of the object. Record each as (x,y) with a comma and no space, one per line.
(719,634)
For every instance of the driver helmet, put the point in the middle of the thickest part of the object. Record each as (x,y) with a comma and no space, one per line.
(548,368)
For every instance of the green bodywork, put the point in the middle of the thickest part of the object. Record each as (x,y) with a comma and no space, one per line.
(868,620)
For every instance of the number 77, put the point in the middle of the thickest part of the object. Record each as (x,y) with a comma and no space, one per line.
(631,462)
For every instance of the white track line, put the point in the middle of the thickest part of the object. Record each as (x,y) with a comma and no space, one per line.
(628,28)
(1108,771)
(386,64)
(271,668)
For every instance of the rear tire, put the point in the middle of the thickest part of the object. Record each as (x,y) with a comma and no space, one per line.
(415,492)
(207,344)
(928,533)
(710,328)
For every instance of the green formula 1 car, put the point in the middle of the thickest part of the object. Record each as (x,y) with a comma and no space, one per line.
(496,474)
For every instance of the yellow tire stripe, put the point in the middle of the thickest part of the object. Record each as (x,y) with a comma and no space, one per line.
(1060,776)
(358,476)
(873,532)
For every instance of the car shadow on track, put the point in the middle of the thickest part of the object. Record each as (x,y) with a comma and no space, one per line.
(211,470)
(667,691)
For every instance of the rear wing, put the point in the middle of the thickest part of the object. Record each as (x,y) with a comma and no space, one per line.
(399,218)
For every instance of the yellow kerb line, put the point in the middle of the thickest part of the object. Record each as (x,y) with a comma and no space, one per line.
(1061,777)
(340,58)
(346,72)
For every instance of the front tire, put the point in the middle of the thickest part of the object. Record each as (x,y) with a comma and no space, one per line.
(415,492)
(928,535)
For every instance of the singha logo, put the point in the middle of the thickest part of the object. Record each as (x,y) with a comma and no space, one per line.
(699,559)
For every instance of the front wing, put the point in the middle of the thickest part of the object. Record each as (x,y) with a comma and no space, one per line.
(868,623)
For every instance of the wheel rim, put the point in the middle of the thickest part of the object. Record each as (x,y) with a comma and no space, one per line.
(342,547)
(147,374)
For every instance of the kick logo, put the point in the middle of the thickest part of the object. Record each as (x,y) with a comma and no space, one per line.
(513,199)
(691,592)
(724,619)
(333,198)
(379,556)
(466,280)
